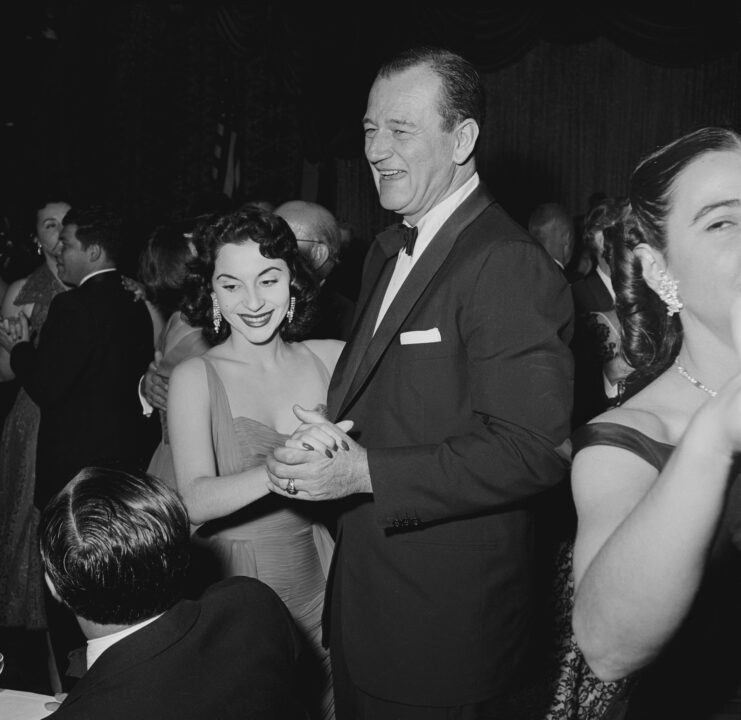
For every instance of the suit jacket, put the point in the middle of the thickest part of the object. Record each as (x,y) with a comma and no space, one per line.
(432,572)
(93,348)
(229,655)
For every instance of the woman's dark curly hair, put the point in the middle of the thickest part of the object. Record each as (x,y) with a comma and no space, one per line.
(276,240)
(651,338)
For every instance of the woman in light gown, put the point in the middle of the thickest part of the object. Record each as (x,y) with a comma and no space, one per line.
(21,578)
(162,270)
(657,567)
(227,410)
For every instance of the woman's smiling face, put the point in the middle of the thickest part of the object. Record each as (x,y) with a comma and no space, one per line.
(253,291)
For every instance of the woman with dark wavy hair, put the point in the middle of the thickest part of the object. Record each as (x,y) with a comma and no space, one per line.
(657,568)
(228,409)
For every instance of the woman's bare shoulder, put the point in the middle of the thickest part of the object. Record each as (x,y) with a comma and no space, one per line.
(328,351)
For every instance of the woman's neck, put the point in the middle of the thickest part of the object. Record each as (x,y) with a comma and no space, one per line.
(51,263)
(266,354)
(708,358)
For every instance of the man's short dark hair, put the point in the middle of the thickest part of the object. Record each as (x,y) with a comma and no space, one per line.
(462,95)
(98,225)
(115,545)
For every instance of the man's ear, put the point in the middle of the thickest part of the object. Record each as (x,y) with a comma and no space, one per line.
(652,265)
(319,255)
(94,251)
(466,135)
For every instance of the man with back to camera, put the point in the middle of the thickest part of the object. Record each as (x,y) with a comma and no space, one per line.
(94,346)
(458,380)
(115,549)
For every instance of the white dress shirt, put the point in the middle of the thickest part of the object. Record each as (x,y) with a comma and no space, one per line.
(427,227)
(97,646)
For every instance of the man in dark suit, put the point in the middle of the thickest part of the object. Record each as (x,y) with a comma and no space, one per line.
(458,381)
(115,548)
(94,347)
(95,344)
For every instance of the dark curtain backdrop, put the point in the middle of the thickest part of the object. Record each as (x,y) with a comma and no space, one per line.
(128,101)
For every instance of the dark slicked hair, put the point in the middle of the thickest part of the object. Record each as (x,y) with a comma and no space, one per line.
(651,338)
(276,241)
(98,225)
(116,546)
(462,94)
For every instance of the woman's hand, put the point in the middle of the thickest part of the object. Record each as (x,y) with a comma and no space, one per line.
(135,287)
(13,330)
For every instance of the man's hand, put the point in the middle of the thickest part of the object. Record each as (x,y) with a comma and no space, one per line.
(154,385)
(323,462)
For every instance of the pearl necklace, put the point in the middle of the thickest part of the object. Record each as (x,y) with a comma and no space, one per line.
(693,380)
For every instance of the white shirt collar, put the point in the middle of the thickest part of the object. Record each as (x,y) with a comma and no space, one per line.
(97,646)
(606,281)
(434,219)
(97,272)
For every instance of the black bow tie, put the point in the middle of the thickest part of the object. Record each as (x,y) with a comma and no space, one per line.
(410,237)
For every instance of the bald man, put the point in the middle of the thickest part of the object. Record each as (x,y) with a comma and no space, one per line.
(319,241)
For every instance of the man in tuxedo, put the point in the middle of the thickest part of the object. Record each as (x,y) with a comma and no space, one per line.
(115,548)
(458,381)
(95,345)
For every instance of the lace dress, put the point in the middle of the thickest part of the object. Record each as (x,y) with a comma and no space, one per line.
(276,540)
(697,676)
(21,577)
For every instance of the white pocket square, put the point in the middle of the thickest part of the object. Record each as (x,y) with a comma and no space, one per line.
(417,337)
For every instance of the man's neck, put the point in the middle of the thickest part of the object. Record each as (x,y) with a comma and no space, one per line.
(92,630)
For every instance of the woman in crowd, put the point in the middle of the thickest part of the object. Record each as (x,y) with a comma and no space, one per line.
(162,270)
(21,579)
(657,568)
(250,292)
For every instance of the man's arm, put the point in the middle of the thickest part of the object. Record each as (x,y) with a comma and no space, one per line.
(520,375)
(520,384)
(47,372)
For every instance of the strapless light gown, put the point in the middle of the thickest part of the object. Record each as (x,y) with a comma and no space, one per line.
(276,540)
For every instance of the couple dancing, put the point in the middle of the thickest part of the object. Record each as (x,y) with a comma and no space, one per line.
(459,400)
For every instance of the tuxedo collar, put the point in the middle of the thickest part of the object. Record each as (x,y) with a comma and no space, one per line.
(365,349)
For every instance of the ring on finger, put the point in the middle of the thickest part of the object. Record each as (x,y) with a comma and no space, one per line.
(291,487)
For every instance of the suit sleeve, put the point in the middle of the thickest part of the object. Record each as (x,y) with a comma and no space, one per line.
(63,353)
(514,326)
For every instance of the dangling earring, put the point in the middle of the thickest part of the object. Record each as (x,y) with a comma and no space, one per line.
(668,293)
(216,312)
(291,310)
(39,249)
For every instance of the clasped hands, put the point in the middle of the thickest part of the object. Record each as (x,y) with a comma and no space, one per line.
(323,461)
(13,330)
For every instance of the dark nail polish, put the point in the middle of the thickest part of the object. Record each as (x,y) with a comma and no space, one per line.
(328,453)
(307,446)
(345,446)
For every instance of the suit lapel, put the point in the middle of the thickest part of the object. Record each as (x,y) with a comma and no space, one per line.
(370,348)
(378,273)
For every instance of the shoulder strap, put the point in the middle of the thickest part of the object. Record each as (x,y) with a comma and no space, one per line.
(621,436)
(226,447)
